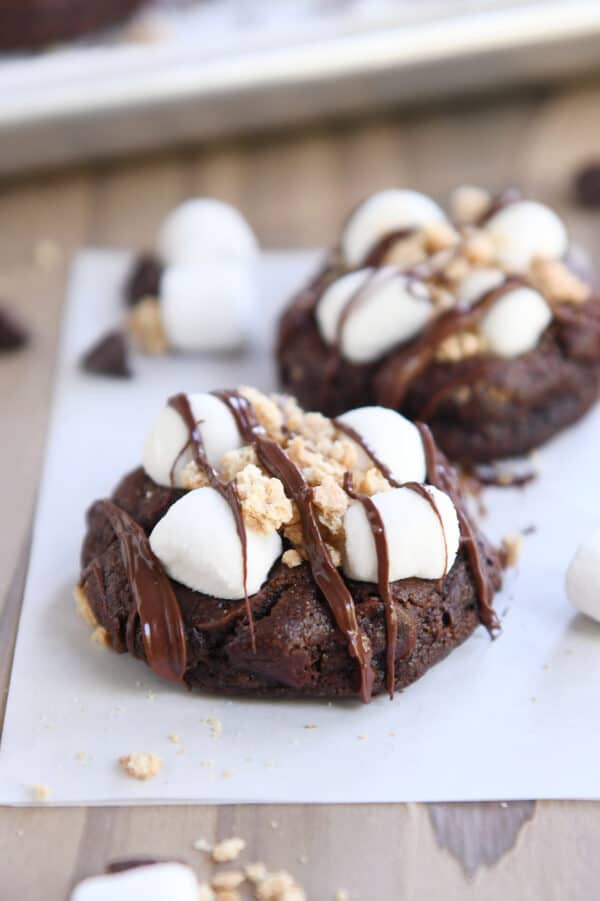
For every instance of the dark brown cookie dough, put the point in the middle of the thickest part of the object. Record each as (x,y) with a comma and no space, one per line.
(479,409)
(299,650)
(28,24)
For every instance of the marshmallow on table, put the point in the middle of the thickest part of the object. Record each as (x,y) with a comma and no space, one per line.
(524,230)
(203,229)
(198,545)
(516,321)
(207,306)
(392,309)
(419,546)
(583,577)
(394,440)
(154,882)
(169,435)
(383,213)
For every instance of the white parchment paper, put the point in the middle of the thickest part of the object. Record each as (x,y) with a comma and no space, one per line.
(516,718)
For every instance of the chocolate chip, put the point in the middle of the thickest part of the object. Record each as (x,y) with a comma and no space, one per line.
(13,335)
(109,356)
(587,185)
(144,279)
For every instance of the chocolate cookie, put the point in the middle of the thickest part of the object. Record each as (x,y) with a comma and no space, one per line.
(477,325)
(28,24)
(265,551)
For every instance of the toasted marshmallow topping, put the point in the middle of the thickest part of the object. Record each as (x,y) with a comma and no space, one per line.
(166,445)
(380,215)
(394,441)
(583,577)
(202,230)
(198,544)
(523,231)
(515,323)
(419,544)
(155,882)
(382,308)
(207,306)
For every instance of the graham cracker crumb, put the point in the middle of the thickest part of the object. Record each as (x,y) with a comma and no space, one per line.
(459,347)
(100,636)
(440,236)
(226,881)
(311,726)
(192,476)
(40,792)
(267,411)
(229,895)
(291,558)
(331,502)
(255,872)
(479,249)
(83,607)
(279,886)
(512,544)
(554,280)
(201,844)
(236,461)
(215,726)
(469,203)
(145,323)
(264,504)
(342,895)
(174,738)
(227,850)
(205,893)
(372,482)
(141,765)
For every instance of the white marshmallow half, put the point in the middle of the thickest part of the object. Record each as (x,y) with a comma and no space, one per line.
(198,545)
(477,283)
(203,229)
(155,882)
(383,213)
(208,306)
(583,577)
(393,439)
(515,323)
(524,230)
(392,310)
(415,538)
(169,435)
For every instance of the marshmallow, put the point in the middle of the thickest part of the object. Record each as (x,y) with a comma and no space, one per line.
(417,543)
(206,230)
(208,306)
(477,283)
(392,310)
(583,577)
(169,435)
(394,440)
(524,230)
(198,545)
(515,323)
(154,882)
(384,213)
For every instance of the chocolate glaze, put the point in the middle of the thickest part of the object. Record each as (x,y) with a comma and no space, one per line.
(155,602)
(336,593)
(180,403)
(441,476)
(377,254)
(499,202)
(383,577)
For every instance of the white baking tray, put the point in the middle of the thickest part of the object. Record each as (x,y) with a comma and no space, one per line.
(184,71)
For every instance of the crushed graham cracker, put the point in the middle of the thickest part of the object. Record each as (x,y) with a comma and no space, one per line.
(265,506)
(512,545)
(440,236)
(227,850)
(291,558)
(40,792)
(228,880)
(460,346)
(83,607)
(141,765)
(100,636)
(557,282)
(146,325)
(469,203)
(279,886)
(205,892)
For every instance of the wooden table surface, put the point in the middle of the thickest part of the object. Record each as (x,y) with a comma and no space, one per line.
(294,188)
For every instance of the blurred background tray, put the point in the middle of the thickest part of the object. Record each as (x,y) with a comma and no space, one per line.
(183,70)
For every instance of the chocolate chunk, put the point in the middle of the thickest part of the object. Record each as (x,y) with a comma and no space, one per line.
(109,356)
(144,279)
(12,334)
(587,185)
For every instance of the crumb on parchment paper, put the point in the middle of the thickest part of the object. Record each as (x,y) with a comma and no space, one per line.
(141,765)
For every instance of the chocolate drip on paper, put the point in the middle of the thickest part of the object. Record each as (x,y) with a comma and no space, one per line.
(383,577)
(155,602)
(441,476)
(181,404)
(278,463)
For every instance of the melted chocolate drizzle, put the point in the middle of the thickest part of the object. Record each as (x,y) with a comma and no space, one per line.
(441,476)
(278,463)
(155,603)
(181,404)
